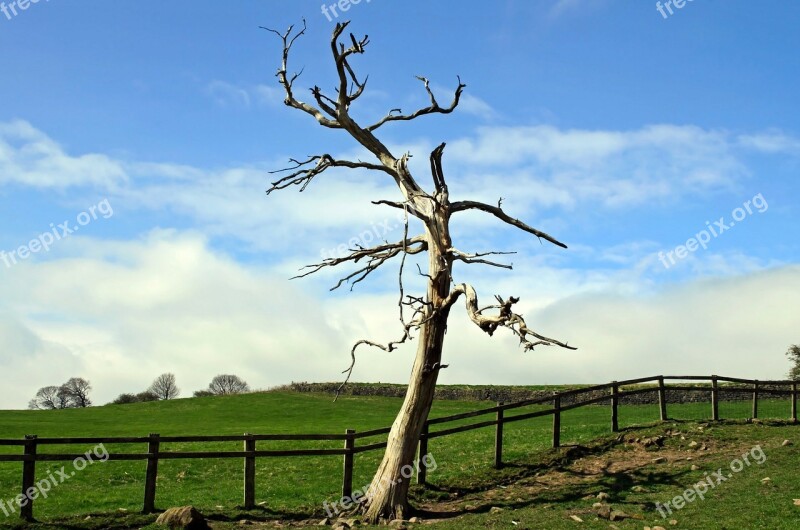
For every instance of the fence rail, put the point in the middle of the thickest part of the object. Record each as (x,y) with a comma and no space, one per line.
(561,401)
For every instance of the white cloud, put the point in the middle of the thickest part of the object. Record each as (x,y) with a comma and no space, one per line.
(231,95)
(31,158)
(771,142)
(121,312)
(551,166)
(228,95)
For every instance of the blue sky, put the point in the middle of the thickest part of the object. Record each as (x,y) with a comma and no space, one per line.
(152,127)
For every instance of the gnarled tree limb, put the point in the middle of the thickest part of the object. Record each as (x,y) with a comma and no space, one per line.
(505,318)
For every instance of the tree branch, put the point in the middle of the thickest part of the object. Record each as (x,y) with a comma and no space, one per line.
(477,258)
(461,206)
(375,257)
(506,318)
(304,175)
(287,82)
(431,109)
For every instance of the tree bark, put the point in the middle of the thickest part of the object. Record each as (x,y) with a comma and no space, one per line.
(388,493)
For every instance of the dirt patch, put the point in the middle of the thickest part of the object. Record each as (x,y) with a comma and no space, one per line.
(631,462)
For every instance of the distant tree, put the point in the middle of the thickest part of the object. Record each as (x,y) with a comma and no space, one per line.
(49,398)
(203,393)
(125,399)
(147,395)
(77,391)
(794,355)
(227,384)
(164,387)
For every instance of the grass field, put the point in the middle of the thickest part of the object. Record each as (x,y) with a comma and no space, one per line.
(293,489)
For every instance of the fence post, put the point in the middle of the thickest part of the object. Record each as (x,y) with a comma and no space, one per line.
(347,475)
(498,438)
(794,402)
(151,475)
(249,473)
(662,398)
(28,477)
(422,471)
(614,407)
(714,398)
(556,421)
(755,399)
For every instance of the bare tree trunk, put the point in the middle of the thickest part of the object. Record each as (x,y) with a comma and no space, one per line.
(388,494)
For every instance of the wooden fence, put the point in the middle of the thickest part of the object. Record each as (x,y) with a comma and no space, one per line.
(610,393)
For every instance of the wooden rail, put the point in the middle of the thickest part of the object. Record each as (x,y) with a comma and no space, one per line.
(562,401)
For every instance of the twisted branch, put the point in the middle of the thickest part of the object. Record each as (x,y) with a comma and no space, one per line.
(505,318)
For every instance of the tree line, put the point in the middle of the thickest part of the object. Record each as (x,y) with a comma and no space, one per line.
(75,392)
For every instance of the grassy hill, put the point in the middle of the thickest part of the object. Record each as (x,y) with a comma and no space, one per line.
(464,482)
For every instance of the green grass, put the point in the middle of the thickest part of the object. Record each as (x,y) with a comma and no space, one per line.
(294,488)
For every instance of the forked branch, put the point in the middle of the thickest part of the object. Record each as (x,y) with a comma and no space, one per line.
(374,256)
(433,108)
(505,318)
(288,38)
(303,172)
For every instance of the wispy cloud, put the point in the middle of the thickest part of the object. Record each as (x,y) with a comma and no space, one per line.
(31,158)
(230,95)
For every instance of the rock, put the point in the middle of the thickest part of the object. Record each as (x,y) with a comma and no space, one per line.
(695,467)
(796,502)
(604,511)
(618,515)
(576,518)
(184,518)
(495,509)
(603,496)
(692,444)
(245,522)
(415,520)
(786,442)
(638,489)
(470,507)
(659,460)
(658,528)
(673,522)
(766,480)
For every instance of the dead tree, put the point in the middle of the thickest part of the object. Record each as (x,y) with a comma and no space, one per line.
(387,496)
